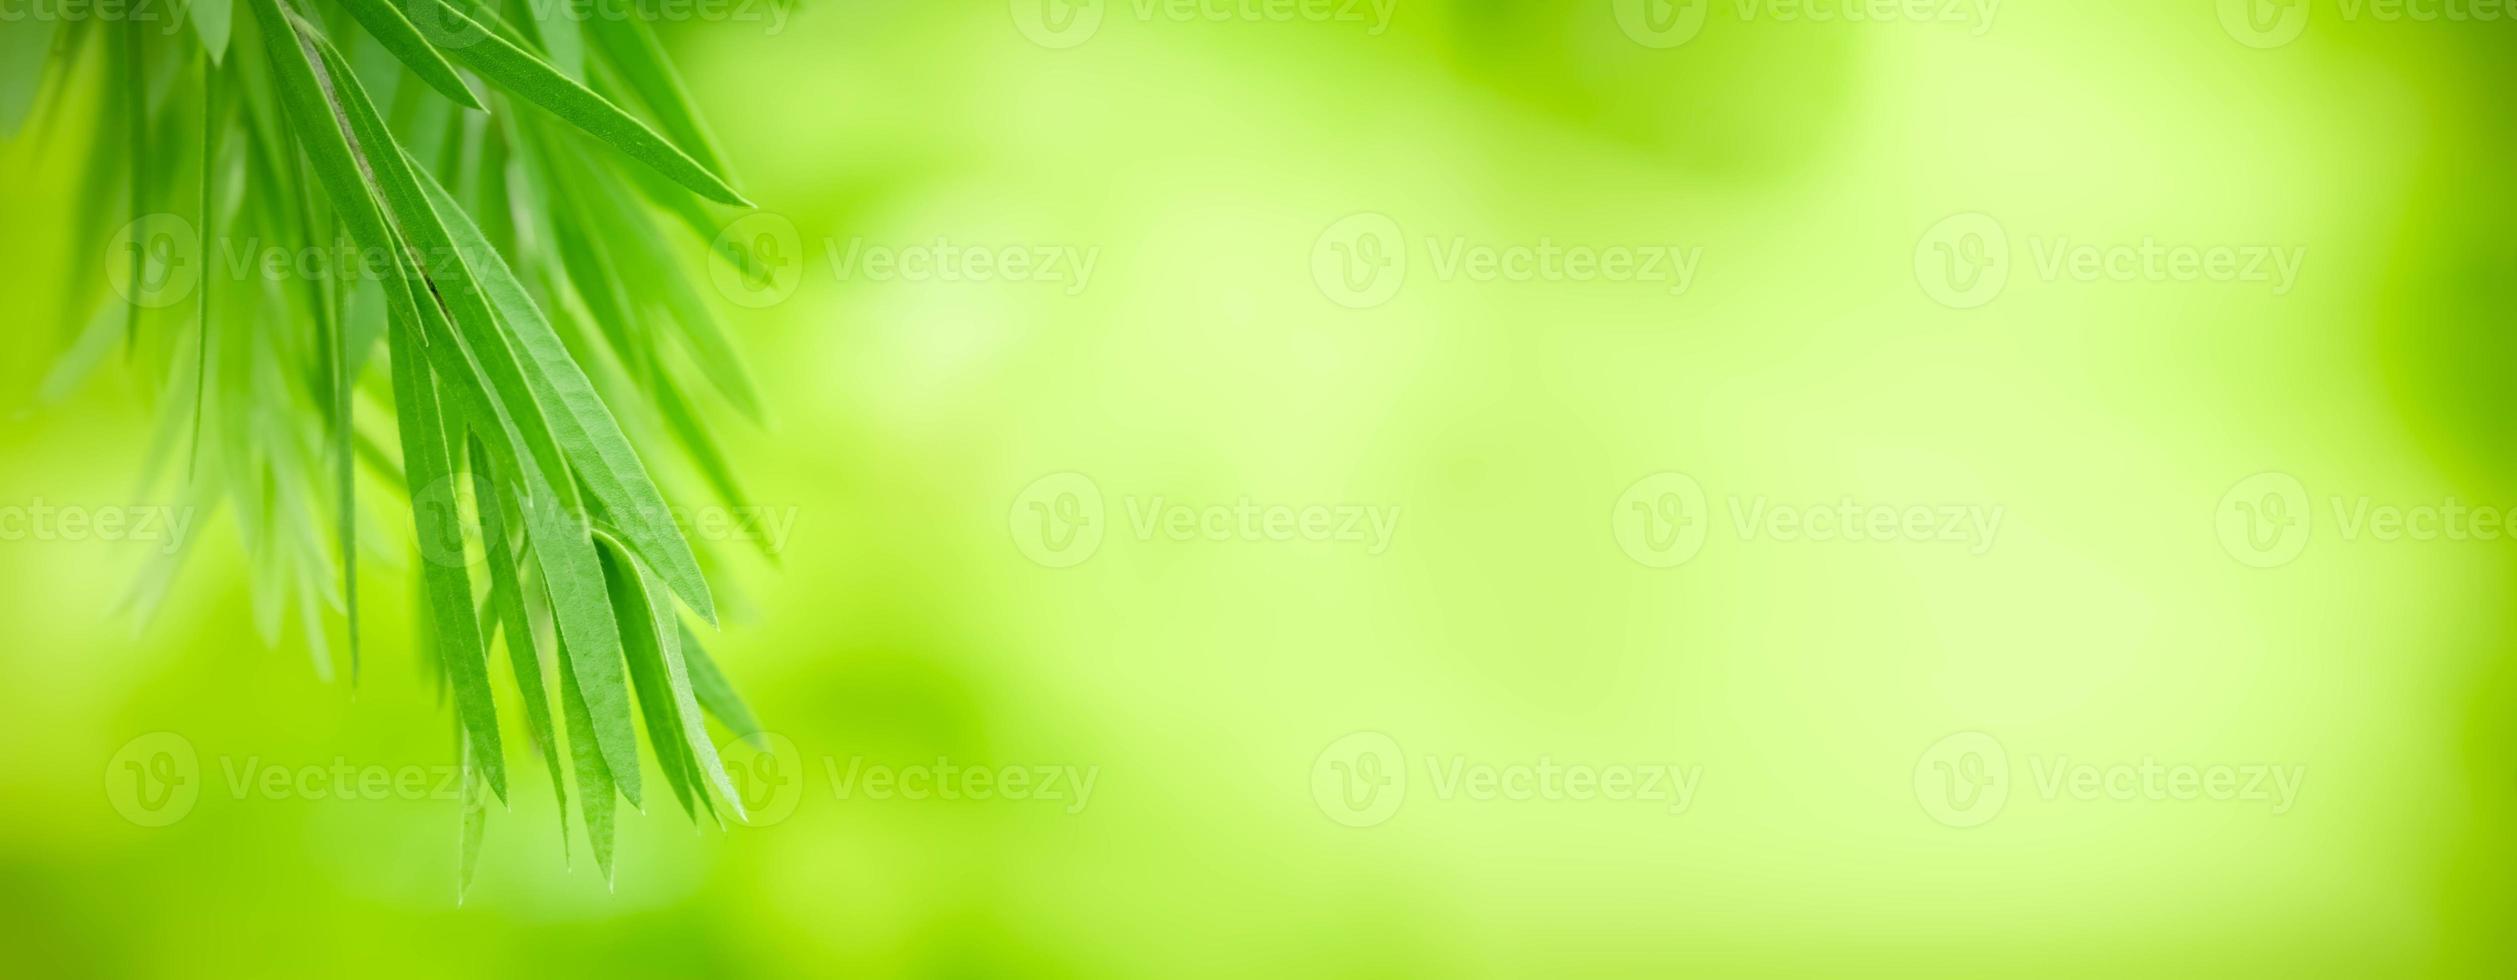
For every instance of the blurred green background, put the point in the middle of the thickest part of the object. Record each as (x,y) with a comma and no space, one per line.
(1516,616)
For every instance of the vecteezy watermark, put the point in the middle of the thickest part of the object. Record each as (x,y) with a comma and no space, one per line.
(158,260)
(37,520)
(758,260)
(1362,260)
(1060,24)
(1966,780)
(156,779)
(1966,260)
(170,13)
(1662,521)
(1059,521)
(1361,780)
(1670,23)
(771,13)
(2266,520)
(2273,23)
(451,511)
(770,774)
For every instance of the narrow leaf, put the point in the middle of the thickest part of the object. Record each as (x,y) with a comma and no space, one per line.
(530,78)
(214,21)
(394,31)
(468,836)
(507,598)
(448,278)
(631,45)
(594,779)
(665,631)
(715,693)
(589,436)
(449,587)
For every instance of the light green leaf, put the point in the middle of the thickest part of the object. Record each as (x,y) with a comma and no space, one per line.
(214,20)
(468,836)
(715,693)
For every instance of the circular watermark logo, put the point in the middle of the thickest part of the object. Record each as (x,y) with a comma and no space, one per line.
(154,780)
(2263,521)
(1058,520)
(1661,520)
(2263,23)
(1058,24)
(758,260)
(1963,780)
(1361,261)
(1360,779)
(1964,261)
(443,25)
(767,771)
(154,262)
(1660,23)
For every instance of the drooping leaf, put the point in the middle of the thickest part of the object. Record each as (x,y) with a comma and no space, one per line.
(448,279)
(534,80)
(213,20)
(507,598)
(449,587)
(642,65)
(594,778)
(715,693)
(386,24)
(589,436)
(651,639)
(475,809)
(135,106)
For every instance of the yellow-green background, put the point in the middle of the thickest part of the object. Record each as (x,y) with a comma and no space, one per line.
(1203,364)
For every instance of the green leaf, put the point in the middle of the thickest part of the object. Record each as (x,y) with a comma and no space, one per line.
(507,597)
(631,45)
(135,104)
(469,835)
(530,78)
(448,279)
(214,20)
(212,121)
(591,439)
(646,675)
(449,587)
(651,638)
(562,38)
(25,46)
(638,243)
(320,131)
(572,580)
(594,779)
(715,693)
(395,33)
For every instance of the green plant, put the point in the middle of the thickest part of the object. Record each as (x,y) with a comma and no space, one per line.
(479,198)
